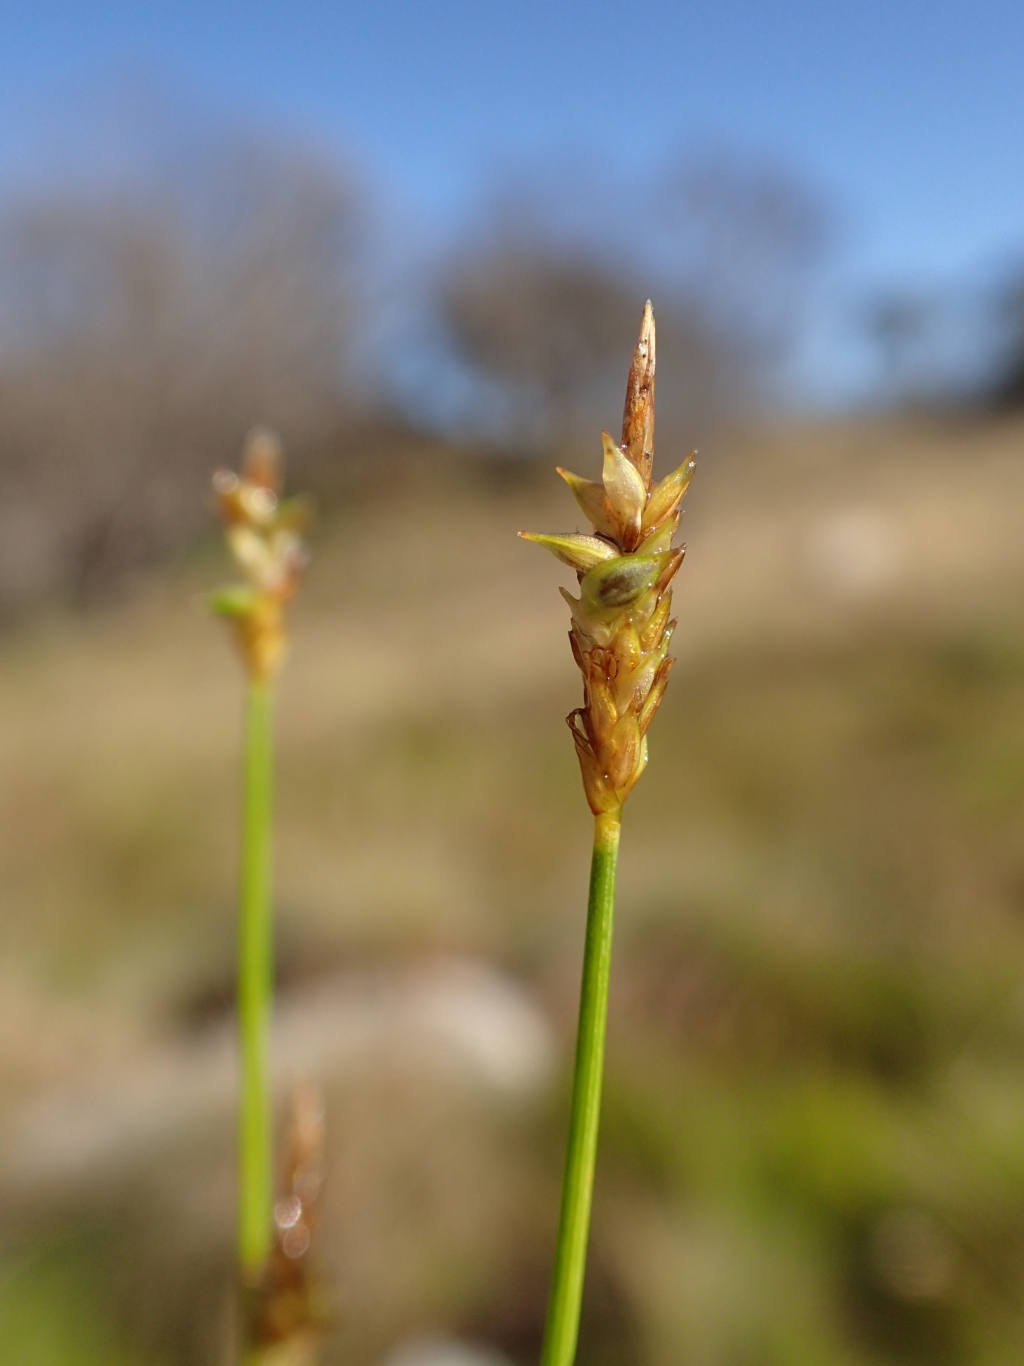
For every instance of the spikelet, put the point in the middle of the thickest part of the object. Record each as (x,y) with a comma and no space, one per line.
(262,533)
(622,620)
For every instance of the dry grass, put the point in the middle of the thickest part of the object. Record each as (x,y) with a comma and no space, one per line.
(816,1016)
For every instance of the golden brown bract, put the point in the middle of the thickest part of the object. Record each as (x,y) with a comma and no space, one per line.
(621,622)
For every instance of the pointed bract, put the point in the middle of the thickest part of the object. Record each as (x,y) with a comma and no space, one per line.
(625,493)
(578,552)
(659,540)
(672,562)
(592,501)
(263,460)
(233,600)
(666,496)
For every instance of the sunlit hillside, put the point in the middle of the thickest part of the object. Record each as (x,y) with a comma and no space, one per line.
(813,1145)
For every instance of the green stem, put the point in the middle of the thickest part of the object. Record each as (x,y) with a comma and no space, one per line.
(255,989)
(563,1320)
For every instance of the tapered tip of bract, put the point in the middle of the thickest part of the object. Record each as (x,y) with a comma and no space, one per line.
(647,327)
(581,553)
(638,413)
(263,459)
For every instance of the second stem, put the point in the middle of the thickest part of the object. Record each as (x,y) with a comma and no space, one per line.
(562,1328)
(255,988)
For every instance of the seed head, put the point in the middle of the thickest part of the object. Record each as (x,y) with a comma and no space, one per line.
(621,622)
(262,532)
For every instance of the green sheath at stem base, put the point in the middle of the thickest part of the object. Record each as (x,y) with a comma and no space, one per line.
(255,990)
(563,1320)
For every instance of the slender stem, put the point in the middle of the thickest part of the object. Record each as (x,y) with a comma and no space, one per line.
(255,988)
(563,1320)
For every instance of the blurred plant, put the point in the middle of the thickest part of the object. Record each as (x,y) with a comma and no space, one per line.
(263,534)
(621,629)
(141,326)
(288,1313)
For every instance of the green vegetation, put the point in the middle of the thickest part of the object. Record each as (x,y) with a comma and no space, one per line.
(51,1312)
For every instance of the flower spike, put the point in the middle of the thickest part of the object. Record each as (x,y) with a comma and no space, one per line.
(262,533)
(622,620)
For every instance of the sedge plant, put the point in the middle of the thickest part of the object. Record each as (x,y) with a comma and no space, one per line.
(263,535)
(621,628)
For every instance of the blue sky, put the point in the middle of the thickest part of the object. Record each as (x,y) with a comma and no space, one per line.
(909,116)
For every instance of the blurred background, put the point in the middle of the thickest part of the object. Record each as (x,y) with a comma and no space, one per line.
(416,240)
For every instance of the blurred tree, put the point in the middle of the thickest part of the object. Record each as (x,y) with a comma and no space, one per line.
(141,335)
(744,239)
(937,347)
(544,330)
(902,326)
(542,307)
(1007,388)
(541,327)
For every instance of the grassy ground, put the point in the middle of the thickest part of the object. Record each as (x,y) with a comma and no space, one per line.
(814,1132)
